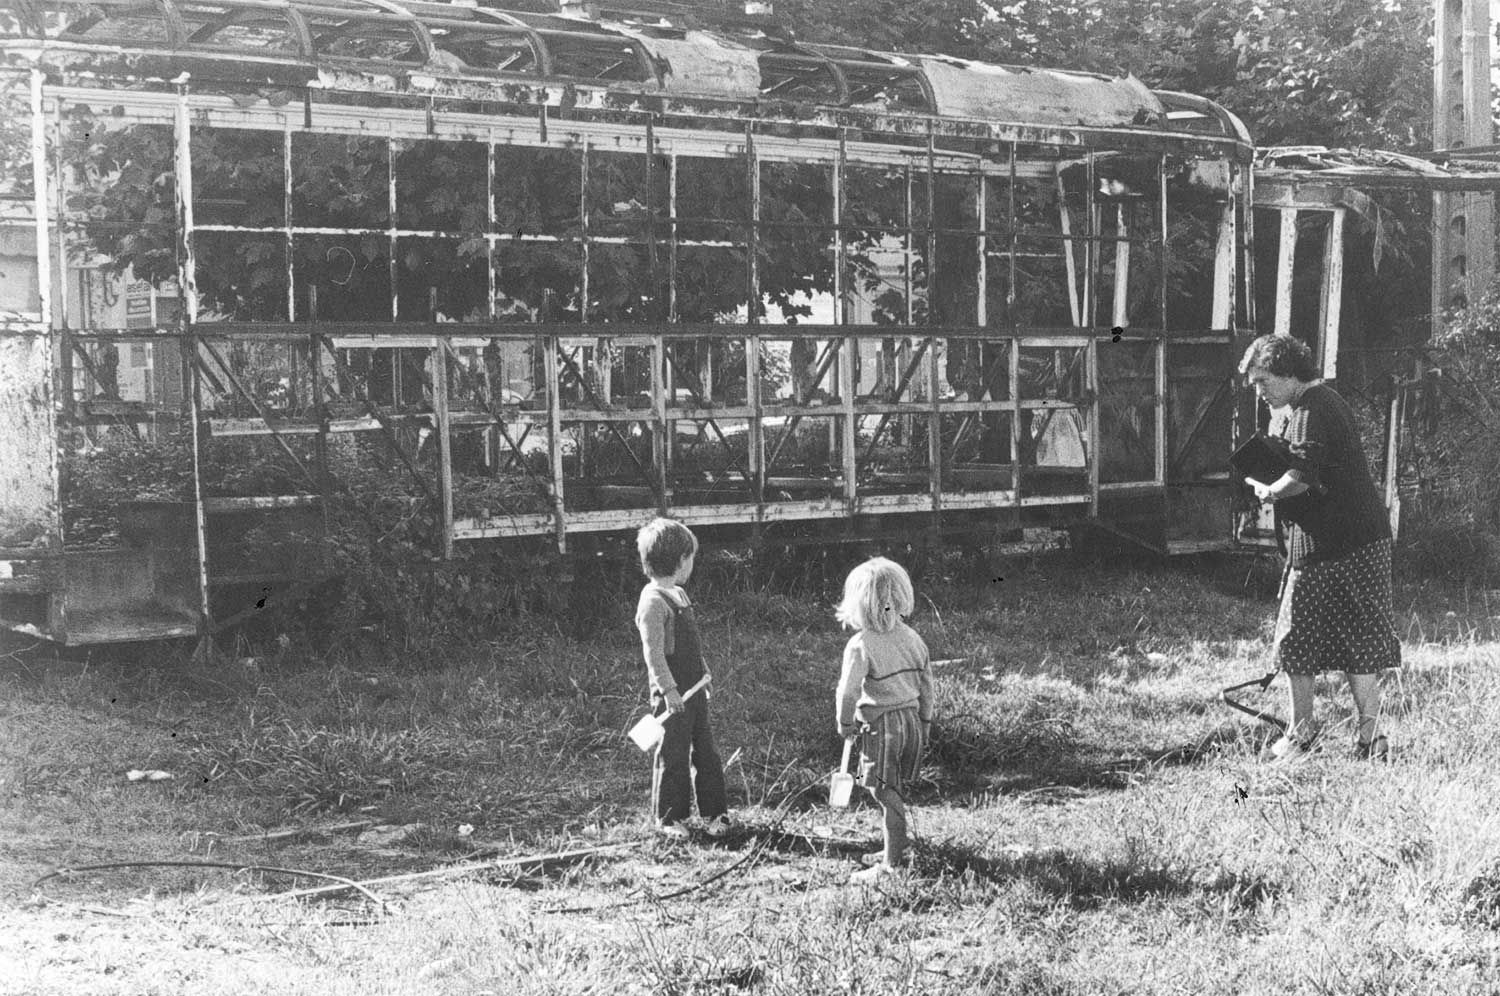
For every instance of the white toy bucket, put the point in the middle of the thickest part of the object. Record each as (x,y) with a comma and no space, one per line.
(841,785)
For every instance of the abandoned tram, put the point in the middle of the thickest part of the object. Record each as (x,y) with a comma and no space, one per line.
(271,267)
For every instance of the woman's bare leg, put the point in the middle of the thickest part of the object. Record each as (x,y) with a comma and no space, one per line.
(1365,689)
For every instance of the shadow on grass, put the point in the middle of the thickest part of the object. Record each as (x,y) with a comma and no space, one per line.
(1064,776)
(1085,882)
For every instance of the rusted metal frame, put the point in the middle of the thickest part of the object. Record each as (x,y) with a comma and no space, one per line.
(362,394)
(260,411)
(830,352)
(572,367)
(901,385)
(539,50)
(695,388)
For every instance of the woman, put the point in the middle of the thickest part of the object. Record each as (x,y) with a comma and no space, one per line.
(1336,591)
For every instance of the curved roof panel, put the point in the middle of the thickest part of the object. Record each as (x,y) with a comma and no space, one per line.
(978,90)
(647,56)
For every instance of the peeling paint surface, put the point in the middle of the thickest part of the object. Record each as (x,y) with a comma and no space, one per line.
(1041,96)
(28,489)
(701,63)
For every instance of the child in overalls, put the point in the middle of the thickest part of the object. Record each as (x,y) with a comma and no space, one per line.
(687,762)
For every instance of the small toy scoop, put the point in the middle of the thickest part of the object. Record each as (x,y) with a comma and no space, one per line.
(648,730)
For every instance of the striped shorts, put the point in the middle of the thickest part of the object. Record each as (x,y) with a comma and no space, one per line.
(890,750)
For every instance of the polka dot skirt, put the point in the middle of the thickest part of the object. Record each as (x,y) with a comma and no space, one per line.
(1336,615)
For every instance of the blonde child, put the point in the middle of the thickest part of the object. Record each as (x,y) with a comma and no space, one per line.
(686,759)
(884,696)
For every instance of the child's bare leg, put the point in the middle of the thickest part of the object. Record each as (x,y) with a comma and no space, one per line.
(894,810)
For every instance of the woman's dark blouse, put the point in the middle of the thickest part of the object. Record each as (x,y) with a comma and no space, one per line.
(1325,446)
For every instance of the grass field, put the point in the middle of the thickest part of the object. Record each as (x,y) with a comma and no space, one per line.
(1091,819)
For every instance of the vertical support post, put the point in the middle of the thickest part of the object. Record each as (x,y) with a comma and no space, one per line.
(982,294)
(187,287)
(551,344)
(1070,262)
(1015,415)
(1224,268)
(1391,476)
(1159,395)
(42,414)
(755,455)
(757,439)
(1463,256)
(1330,304)
(1120,310)
(1092,373)
(1286,258)
(444,429)
(935,427)
(661,449)
(849,345)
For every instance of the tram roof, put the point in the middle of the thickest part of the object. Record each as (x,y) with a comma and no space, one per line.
(644,56)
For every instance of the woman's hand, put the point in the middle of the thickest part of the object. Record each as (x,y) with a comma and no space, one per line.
(1263,492)
(674,701)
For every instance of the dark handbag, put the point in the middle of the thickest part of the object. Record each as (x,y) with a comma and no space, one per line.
(1262,458)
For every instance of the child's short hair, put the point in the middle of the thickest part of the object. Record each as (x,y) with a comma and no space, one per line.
(877,594)
(663,545)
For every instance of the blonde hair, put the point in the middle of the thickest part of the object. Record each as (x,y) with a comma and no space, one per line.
(877,594)
(663,545)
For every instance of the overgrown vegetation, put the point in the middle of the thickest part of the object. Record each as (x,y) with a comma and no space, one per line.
(1453,525)
(1089,814)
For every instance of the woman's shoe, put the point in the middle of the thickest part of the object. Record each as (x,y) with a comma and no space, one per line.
(1378,749)
(1289,749)
(718,827)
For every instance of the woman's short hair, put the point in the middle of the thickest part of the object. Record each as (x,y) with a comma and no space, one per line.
(1282,355)
(877,594)
(663,545)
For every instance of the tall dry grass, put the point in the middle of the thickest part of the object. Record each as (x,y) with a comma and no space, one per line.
(1092,820)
